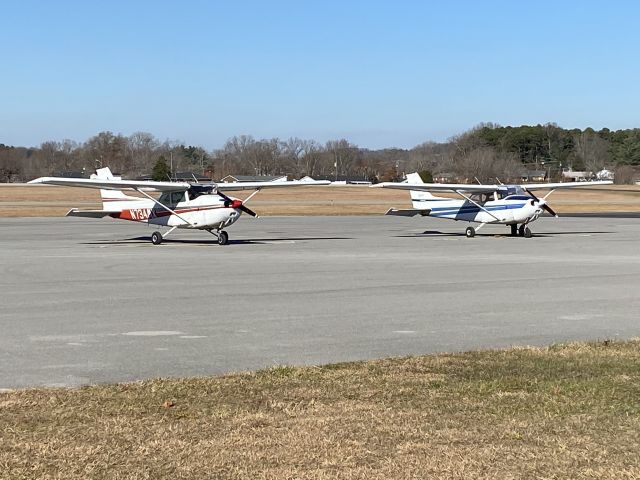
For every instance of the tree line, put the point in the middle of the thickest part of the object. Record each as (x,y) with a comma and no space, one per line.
(486,152)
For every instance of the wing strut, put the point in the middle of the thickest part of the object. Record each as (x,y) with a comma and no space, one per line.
(165,207)
(476,204)
(250,196)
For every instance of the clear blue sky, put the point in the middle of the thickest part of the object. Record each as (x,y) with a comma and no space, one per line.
(380,74)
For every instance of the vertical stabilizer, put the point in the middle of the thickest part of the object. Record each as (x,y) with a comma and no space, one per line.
(418,198)
(113,200)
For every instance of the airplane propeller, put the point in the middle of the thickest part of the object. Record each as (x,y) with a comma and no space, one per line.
(229,202)
(542,203)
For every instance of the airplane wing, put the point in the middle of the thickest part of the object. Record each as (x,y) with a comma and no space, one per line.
(447,187)
(227,187)
(451,187)
(146,185)
(554,186)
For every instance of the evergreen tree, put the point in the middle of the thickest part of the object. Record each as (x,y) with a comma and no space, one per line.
(161,171)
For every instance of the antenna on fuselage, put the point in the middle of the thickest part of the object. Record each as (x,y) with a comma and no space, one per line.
(476,179)
(498,180)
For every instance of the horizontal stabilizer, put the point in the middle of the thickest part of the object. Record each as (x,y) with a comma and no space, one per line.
(74,212)
(410,212)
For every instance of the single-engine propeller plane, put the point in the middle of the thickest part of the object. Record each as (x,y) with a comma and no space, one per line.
(180,205)
(513,205)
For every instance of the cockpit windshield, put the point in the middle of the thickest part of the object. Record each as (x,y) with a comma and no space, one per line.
(197,190)
(510,190)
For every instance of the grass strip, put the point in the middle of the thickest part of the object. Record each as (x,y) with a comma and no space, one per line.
(567,411)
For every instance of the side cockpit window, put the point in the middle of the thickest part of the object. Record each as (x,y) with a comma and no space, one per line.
(172,198)
(177,197)
(165,198)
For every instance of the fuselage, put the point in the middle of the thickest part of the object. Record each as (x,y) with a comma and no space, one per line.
(511,209)
(203,212)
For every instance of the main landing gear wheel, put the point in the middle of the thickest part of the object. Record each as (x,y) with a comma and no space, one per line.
(524,231)
(223,238)
(470,232)
(156,238)
(514,230)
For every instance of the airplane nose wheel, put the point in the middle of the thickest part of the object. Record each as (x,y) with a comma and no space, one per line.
(223,238)
(156,238)
(470,232)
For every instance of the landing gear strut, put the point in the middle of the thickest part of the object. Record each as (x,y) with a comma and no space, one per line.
(157,237)
(470,232)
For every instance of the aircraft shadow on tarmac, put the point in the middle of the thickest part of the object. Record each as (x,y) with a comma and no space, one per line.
(437,233)
(213,241)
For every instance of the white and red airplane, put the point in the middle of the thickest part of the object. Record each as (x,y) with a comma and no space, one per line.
(513,205)
(180,205)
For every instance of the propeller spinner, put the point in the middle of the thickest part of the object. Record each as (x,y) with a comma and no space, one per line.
(541,203)
(235,203)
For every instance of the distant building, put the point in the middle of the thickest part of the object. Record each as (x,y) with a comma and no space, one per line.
(307,178)
(444,178)
(71,174)
(576,176)
(181,177)
(534,176)
(253,178)
(344,179)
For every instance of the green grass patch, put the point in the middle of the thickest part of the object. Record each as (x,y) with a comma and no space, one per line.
(567,411)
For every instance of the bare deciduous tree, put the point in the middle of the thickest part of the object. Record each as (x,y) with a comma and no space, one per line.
(592,150)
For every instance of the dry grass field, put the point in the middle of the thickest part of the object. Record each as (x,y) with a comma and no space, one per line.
(570,412)
(18,200)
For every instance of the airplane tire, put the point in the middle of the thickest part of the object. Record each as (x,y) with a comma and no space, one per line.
(223,238)
(470,232)
(521,230)
(156,238)
(527,232)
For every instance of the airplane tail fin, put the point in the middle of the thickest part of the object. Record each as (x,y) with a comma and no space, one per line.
(419,199)
(112,200)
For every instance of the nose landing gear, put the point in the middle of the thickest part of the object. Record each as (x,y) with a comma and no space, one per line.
(521,231)
(221,235)
(524,231)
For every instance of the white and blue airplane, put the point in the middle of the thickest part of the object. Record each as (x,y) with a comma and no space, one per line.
(513,205)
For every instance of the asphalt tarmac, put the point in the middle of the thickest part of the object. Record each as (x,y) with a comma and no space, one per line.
(87,301)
